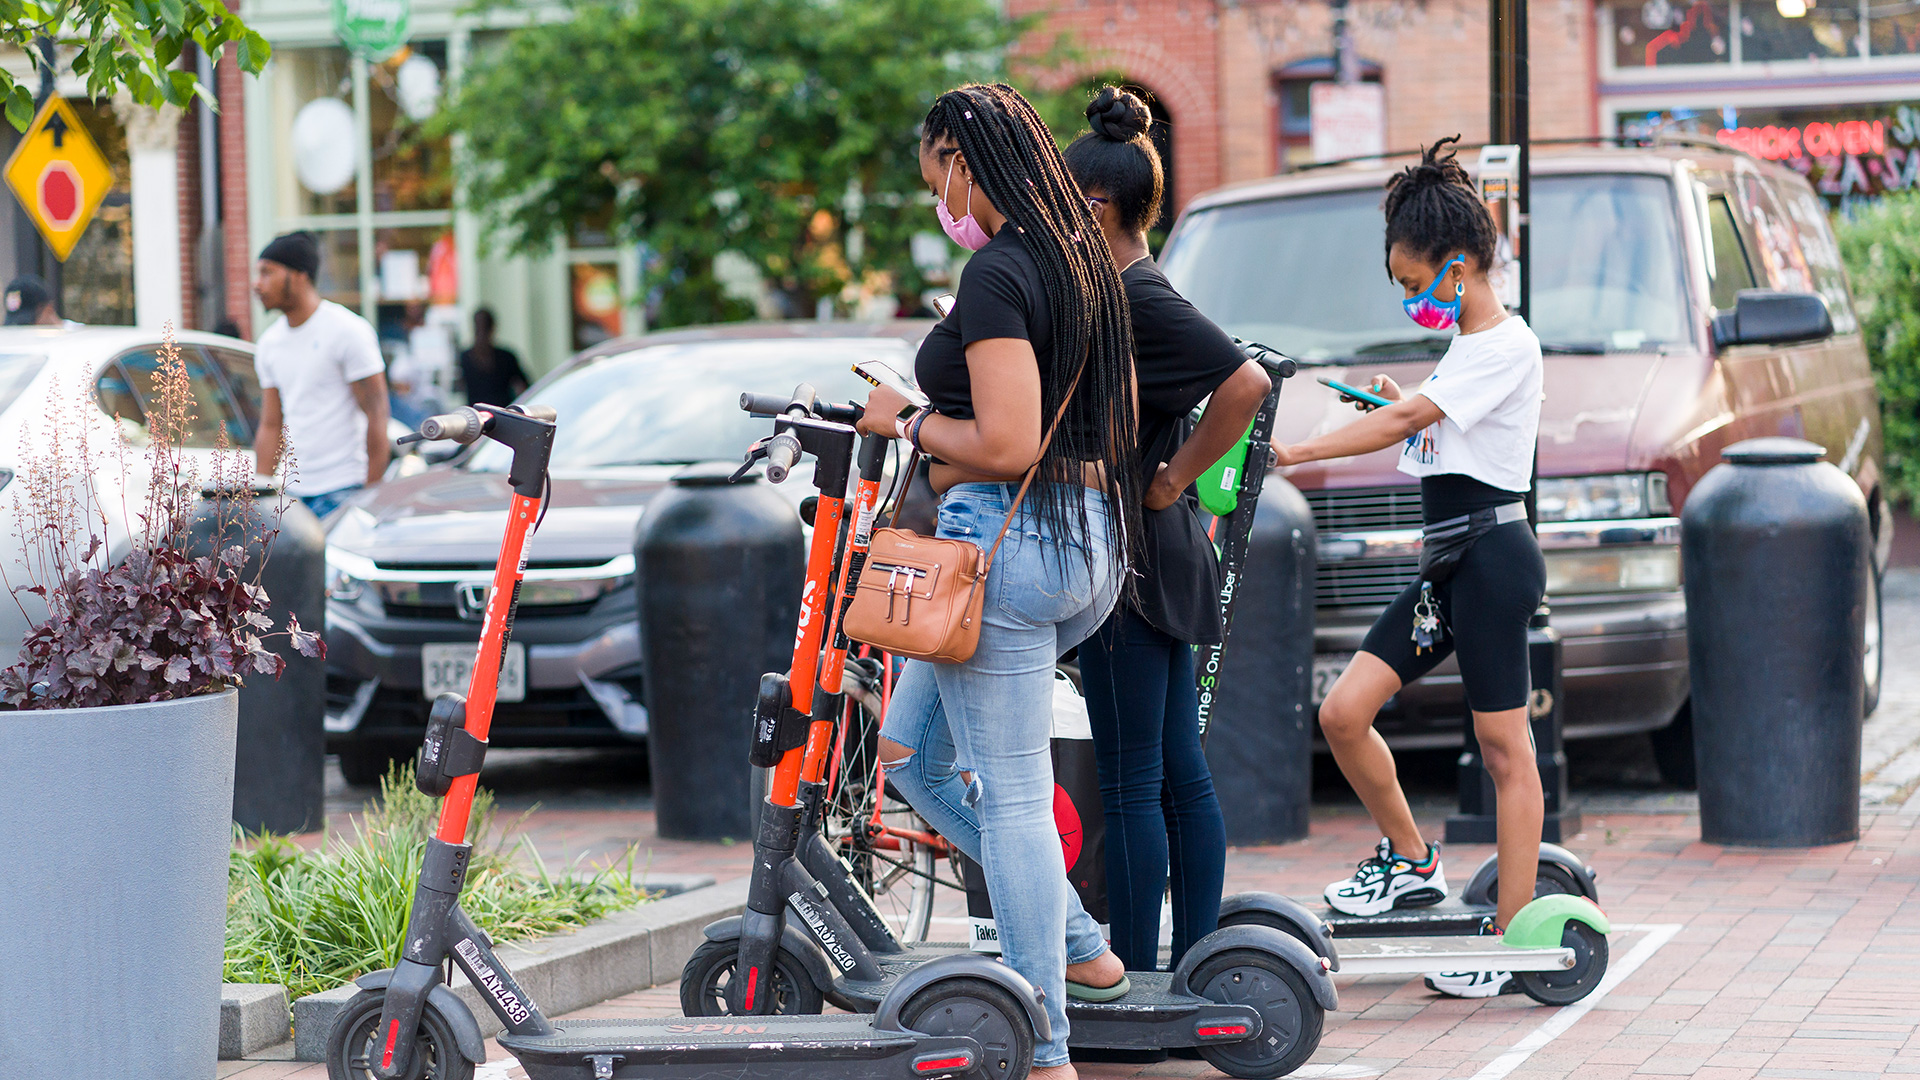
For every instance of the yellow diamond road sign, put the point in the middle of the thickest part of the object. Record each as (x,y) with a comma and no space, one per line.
(59,175)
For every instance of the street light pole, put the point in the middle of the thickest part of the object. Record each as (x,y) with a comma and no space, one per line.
(1508,124)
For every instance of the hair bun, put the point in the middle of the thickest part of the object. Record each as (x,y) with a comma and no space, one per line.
(1118,115)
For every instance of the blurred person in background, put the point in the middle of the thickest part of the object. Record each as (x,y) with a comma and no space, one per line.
(30,303)
(322,383)
(491,373)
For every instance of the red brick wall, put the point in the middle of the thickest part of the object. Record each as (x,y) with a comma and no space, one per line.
(1212,65)
(228,78)
(186,167)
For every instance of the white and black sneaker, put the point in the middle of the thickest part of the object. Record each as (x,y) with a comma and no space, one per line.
(1389,880)
(1474,984)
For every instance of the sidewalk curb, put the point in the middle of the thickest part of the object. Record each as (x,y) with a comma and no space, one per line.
(253,1016)
(627,951)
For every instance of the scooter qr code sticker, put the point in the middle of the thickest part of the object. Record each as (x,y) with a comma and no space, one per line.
(863,527)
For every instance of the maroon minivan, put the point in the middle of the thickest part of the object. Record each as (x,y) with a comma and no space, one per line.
(1636,250)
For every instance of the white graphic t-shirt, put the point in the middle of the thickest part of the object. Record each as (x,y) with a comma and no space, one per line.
(313,366)
(1489,386)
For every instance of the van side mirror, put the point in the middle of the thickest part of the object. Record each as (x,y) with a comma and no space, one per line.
(1766,317)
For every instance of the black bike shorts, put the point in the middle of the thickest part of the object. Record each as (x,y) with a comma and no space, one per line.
(1485,607)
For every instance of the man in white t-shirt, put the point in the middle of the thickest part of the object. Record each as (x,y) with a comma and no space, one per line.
(321,380)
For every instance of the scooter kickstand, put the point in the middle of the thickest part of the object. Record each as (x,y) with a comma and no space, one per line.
(603,1065)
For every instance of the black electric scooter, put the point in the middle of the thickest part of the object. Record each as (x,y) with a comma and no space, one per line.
(960,1017)
(1251,999)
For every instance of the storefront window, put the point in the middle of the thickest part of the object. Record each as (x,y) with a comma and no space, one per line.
(1662,33)
(410,170)
(1893,29)
(312,105)
(1849,151)
(339,279)
(1823,32)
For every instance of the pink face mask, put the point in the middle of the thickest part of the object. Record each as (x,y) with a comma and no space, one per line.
(966,232)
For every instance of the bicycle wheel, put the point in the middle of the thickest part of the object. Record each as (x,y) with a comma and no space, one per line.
(895,869)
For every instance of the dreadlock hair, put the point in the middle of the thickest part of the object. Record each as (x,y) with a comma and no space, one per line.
(1018,167)
(1433,209)
(1116,157)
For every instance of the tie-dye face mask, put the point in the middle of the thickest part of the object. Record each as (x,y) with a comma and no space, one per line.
(1432,312)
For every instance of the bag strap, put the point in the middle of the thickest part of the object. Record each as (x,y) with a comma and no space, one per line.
(1059,414)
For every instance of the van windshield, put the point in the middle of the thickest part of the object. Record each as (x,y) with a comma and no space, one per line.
(1306,275)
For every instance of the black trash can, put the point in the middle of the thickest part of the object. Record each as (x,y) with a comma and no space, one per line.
(1260,741)
(1775,549)
(719,572)
(280,751)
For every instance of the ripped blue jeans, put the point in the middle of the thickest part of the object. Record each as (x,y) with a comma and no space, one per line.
(993,716)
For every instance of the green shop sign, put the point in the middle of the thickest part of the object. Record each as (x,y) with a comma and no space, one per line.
(371,29)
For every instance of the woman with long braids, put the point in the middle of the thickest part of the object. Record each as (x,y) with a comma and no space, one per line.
(1469,433)
(1040,318)
(1157,791)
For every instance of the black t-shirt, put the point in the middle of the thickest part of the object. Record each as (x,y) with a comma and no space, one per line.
(1000,296)
(1180,357)
(492,383)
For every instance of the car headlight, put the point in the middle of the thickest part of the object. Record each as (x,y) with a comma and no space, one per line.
(1627,569)
(342,585)
(1603,498)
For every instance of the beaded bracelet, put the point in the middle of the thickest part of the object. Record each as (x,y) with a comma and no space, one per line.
(913,430)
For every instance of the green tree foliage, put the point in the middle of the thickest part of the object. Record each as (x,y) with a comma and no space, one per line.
(1881,246)
(782,130)
(126,45)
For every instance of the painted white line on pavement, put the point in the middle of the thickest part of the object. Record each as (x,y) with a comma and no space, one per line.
(495,1070)
(1658,934)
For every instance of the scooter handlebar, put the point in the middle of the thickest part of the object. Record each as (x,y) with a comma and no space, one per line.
(764,404)
(462,426)
(783,453)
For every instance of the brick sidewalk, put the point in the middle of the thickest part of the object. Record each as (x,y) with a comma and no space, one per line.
(1781,964)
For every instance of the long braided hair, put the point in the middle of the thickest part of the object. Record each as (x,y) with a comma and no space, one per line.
(1432,208)
(1018,167)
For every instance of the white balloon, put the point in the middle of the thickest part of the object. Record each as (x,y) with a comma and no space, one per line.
(326,146)
(418,87)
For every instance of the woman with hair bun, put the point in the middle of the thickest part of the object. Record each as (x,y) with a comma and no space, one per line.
(1040,320)
(1161,811)
(1468,434)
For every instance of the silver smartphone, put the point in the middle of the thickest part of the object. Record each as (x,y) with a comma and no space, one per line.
(880,374)
(943,304)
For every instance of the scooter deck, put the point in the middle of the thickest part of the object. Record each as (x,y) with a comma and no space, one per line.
(1149,1016)
(1451,916)
(1415,955)
(689,1048)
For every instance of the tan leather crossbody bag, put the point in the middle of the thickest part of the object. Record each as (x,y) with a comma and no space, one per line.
(920,596)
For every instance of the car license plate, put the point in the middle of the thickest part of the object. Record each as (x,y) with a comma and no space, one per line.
(1326,670)
(448,668)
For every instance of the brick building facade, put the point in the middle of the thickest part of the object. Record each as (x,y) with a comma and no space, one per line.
(1219,69)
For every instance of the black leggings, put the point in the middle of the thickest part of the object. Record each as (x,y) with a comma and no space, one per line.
(1485,607)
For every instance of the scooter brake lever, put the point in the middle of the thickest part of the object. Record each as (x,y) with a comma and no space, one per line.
(755,454)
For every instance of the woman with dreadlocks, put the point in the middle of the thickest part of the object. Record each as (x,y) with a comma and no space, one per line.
(1469,433)
(1161,810)
(1040,319)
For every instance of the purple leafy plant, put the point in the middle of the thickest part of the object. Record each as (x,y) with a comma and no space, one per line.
(180,615)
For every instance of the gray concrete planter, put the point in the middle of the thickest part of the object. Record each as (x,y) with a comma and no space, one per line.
(115,825)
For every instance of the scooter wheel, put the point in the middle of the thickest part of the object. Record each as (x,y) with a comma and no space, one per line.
(982,1010)
(354,1047)
(709,971)
(1290,1016)
(1566,987)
